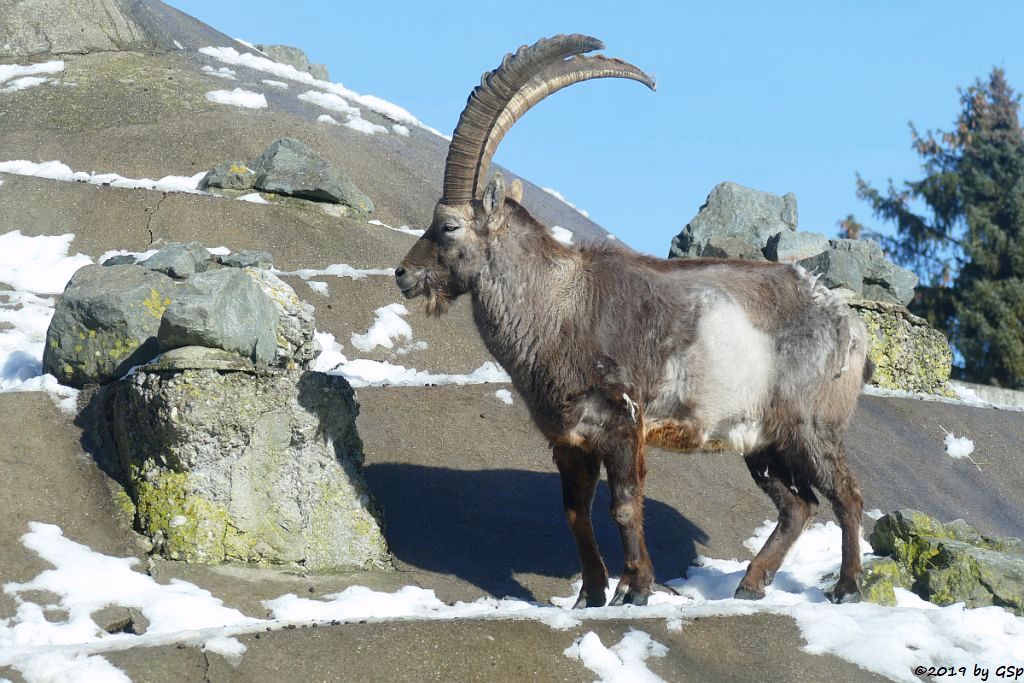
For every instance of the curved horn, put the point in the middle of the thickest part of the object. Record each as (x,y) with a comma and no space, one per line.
(553,78)
(490,98)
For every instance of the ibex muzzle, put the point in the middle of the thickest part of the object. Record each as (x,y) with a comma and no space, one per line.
(613,350)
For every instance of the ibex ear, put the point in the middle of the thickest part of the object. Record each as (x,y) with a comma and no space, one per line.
(515,191)
(494,195)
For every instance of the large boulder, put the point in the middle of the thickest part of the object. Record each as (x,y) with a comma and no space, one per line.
(119,315)
(228,311)
(106,322)
(289,167)
(908,353)
(223,463)
(732,210)
(789,246)
(944,563)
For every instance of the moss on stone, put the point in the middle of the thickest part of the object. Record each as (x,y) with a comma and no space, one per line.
(881,579)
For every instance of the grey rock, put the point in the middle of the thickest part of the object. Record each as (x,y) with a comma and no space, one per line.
(120,619)
(227,311)
(732,210)
(730,247)
(837,268)
(233,175)
(247,259)
(950,563)
(885,281)
(789,246)
(106,322)
(296,325)
(291,168)
(120,260)
(178,260)
(319,71)
(248,467)
(286,54)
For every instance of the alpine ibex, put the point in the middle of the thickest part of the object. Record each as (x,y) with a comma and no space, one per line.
(614,350)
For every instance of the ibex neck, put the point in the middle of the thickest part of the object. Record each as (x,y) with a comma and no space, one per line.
(528,305)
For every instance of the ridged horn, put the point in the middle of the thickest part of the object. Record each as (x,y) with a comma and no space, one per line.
(553,78)
(489,99)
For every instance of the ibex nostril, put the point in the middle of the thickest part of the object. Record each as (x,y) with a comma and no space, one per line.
(399,271)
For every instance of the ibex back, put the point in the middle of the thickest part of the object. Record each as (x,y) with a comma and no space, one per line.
(613,350)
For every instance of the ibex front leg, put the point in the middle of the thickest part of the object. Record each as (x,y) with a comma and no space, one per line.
(624,461)
(580,471)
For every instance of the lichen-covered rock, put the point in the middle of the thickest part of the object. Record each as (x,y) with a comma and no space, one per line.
(732,210)
(233,175)
(909,354)
(945,563)
(262,467)
(291,168)
(227,310)
(106,322)
(296,345)
(178,260)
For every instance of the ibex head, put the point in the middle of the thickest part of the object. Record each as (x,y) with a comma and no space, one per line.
(444,263)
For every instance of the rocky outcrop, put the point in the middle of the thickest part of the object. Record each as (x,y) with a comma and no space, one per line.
(223,462)
(944,563)
(286,54)
(114,317)
(860,266)
(732,210)
(291,169)
(908,353)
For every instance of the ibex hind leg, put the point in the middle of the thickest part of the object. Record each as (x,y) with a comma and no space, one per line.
(833,478)
(790,490)
(624,462)
(580,471)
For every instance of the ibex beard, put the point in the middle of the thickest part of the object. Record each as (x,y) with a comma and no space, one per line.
(613,351)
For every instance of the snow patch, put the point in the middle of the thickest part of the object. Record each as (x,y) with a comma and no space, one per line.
(504,395)
(55,170)
(965,397)
(318,287)
(392,111)
(364,126)
(32,269)
(253,197)
(25,76)
(327,118)
(958,447)
(330,101)
(400,130)
(562,235)
(179,45)
(275,84)
(621,663)
(874,513)
(371,373)
(560,197)
(238,98)
(388,326)
(219,72)
(337,270)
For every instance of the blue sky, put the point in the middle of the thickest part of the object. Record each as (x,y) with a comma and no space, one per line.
(779,96)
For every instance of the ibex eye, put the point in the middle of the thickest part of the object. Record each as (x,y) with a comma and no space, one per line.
(451,227)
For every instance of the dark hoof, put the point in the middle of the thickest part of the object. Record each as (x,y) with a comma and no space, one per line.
(629,598)
(586,600)
(838,596)
(743,593)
